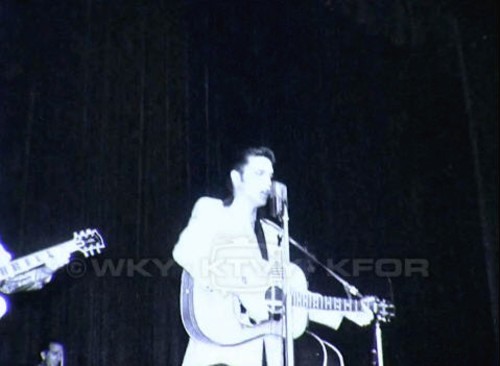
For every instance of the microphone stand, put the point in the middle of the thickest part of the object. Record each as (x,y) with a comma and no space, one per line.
(279,210)
(377,352)
(285,253)
(350,289)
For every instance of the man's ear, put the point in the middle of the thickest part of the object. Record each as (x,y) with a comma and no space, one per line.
(235,178)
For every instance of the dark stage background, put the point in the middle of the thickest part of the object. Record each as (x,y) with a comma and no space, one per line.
(382,114)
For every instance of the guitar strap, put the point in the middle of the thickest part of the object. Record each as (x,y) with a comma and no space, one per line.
(261,239)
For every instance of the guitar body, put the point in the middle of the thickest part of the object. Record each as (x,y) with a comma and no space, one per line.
(216,317)
(3,306)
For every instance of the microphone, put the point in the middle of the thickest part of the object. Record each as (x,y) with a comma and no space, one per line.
(279,199)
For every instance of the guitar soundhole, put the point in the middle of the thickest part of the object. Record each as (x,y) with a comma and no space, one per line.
(274,299)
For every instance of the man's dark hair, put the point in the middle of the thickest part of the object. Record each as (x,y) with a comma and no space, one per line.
(242,157)
(242,160)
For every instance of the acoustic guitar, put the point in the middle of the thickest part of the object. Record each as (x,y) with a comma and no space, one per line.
(219,317)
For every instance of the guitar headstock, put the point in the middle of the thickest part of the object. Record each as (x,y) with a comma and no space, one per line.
(89,242)
(384,310)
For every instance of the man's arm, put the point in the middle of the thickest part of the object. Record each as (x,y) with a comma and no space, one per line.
(36,278)
(364,317)
(193,246)
(333,319)
(200,253)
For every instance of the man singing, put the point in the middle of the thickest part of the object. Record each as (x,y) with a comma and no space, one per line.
(229,254)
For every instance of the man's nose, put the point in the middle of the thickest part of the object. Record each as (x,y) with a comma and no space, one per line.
(268,184)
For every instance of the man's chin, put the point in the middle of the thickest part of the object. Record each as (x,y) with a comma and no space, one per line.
(262,202)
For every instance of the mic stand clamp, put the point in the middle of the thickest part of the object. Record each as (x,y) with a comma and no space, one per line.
(377,351)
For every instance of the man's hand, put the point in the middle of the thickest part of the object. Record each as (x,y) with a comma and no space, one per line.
(256,308)
(364,317)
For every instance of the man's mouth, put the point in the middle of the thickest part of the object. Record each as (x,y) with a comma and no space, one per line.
(265,194)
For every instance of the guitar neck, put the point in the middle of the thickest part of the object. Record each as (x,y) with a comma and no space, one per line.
(315,301)
(35,260)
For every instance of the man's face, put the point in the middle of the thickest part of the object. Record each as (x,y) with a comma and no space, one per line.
(254,184)
(54,354)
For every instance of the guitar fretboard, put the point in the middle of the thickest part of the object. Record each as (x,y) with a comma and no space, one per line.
(319,302)
(34,260)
